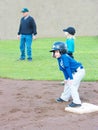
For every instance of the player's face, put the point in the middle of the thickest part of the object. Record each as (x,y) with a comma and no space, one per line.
(57,54)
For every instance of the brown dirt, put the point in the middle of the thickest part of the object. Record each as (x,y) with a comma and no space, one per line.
(30,105)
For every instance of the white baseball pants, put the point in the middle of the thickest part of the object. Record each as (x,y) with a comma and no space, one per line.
(71,90)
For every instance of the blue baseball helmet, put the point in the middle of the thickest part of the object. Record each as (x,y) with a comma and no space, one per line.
(61,46)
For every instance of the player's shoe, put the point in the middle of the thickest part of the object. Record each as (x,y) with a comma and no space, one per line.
(60,100)
(74,105)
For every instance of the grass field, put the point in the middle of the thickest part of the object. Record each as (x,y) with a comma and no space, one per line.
(43,66)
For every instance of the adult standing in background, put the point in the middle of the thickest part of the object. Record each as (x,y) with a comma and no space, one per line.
(26,34)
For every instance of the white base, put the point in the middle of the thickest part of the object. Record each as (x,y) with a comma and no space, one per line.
(85,108)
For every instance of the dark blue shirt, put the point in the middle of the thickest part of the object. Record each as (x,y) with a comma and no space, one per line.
(68,65)
(27,26)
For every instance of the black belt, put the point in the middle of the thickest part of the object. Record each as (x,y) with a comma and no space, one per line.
(81,67)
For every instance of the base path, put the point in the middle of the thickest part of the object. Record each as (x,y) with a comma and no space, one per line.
(31,105)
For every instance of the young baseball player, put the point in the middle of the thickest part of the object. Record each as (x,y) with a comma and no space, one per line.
(70,42)
(73,72)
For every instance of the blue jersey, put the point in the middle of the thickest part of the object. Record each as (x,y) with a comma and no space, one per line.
(68,65)
(70,45)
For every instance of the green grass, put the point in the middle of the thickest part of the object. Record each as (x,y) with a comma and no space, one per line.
(44,67)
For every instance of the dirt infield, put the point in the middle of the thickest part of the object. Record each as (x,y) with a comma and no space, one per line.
(30,105)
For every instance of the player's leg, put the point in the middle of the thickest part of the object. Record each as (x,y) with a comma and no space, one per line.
(76,83)
(65,96)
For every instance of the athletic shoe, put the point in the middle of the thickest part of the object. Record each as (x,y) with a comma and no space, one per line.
(74,105)
(60,100)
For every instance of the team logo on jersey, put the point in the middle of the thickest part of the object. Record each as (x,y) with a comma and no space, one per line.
(62,64)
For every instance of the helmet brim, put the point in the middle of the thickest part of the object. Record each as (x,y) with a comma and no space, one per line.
(54,50)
